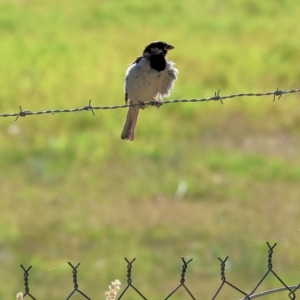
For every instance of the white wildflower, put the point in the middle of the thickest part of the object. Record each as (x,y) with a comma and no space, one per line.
(20,296)
(113,289)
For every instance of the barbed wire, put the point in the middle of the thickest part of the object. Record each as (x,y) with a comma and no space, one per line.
(23,113)
(246,296)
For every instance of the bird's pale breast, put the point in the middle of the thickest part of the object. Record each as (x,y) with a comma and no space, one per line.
(143,83)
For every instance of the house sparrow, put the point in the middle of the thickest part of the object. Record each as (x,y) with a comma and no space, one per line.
(149,77)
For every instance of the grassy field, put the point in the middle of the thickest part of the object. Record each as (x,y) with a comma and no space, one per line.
(72,190)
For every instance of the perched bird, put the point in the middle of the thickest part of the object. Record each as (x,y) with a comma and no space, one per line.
(149,77)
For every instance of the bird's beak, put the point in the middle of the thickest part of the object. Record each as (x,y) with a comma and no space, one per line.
(169,47)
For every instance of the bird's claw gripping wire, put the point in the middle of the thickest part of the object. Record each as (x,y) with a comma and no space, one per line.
(156,103)
(142,104)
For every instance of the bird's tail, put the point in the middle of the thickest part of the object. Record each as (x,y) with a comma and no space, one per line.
(128,132)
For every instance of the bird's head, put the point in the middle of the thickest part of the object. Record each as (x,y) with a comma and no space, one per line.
(157,48)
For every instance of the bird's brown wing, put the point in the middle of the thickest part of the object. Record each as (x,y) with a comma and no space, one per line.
(135,62)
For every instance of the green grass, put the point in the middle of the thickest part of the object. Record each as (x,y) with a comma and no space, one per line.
(71,190)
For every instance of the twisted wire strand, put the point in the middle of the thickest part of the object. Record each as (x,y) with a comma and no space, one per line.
(276,290)
(89,107)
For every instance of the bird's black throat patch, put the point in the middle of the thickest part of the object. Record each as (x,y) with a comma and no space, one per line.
(157,62)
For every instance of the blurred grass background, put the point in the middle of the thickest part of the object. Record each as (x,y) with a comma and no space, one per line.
(200,181)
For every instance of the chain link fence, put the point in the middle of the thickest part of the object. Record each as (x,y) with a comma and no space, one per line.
(290,290)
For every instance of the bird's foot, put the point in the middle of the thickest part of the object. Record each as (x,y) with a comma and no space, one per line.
(142,104)
(155,102)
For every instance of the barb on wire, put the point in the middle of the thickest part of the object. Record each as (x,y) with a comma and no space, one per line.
(26,281)
(278,94)
(182,280)
(218,97)
(76,286)
(89,107)
(23,113)
(129,280)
